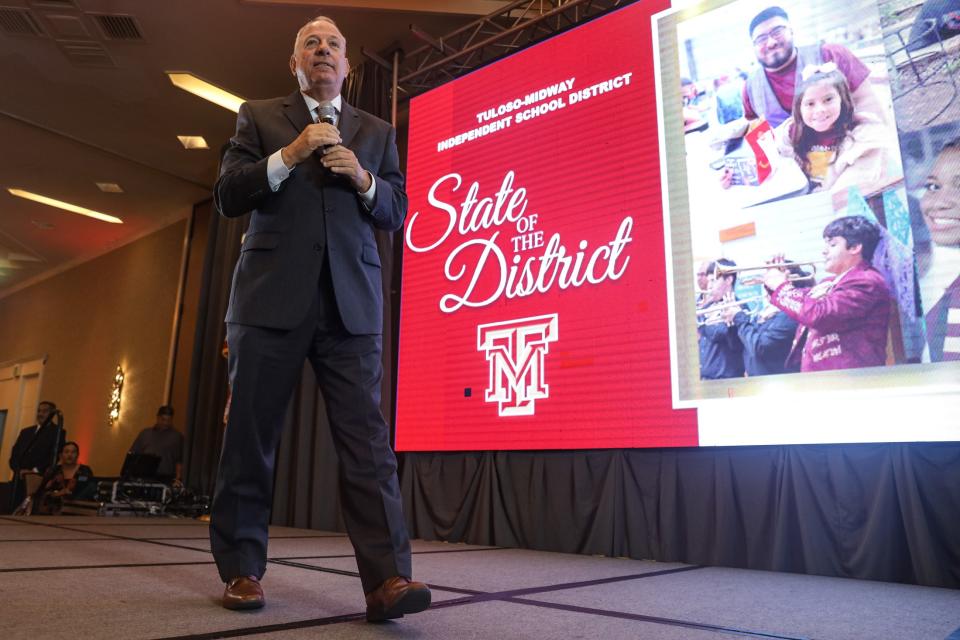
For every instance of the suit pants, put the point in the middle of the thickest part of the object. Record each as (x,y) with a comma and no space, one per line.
(265,366)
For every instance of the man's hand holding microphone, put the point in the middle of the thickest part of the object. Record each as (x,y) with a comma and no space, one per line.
(325,137)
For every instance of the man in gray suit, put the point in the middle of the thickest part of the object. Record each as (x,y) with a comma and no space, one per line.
(319,177)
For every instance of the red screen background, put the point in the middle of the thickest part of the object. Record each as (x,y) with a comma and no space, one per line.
(585,168)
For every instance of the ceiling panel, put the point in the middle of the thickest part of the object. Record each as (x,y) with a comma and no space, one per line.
(86,101)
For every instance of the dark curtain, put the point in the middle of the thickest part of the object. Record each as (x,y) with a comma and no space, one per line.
(208,369)
(368,87)
(881,511)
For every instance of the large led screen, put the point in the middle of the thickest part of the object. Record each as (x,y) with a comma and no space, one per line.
(592,220)
(534,292)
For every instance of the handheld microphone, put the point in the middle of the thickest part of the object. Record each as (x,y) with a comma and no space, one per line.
(327,113)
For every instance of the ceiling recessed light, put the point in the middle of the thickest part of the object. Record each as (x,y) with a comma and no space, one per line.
(66,206)
(203,89)
(193,142)
(109,187)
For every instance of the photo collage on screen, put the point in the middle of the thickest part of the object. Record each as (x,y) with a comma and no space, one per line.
(824,137)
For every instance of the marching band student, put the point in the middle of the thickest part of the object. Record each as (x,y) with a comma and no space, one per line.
(844,319)
(703,281)
(721,354)
(767,336)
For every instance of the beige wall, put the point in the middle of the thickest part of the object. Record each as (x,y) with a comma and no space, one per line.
(116,309)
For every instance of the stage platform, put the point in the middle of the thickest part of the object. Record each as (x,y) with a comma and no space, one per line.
(89,578)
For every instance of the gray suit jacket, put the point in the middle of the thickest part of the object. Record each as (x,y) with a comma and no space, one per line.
(312,213)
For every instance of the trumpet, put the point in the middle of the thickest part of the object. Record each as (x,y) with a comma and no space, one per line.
(727,305)
(757,279)
(713,314)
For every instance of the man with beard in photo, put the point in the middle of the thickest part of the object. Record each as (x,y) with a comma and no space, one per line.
(769,90)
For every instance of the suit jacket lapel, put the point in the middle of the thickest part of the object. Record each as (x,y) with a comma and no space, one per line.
(349,123)
(296,111)
(299,116)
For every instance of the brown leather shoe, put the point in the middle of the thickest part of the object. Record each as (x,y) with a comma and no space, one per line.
(243,593)
(395,597)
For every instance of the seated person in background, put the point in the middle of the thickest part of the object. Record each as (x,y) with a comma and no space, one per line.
(940,265)
(36,447)
(768,336)
(844,319)
(729,103)
(835,146)
(69,479)
(693,107)
(164,441)
(721,354)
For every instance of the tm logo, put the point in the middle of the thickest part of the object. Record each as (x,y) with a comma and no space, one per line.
(515,350)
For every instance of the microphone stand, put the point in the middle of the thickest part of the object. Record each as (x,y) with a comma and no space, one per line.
(12,506)
(58,416)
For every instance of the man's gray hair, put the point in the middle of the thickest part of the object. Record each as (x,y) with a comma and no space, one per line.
(309,22)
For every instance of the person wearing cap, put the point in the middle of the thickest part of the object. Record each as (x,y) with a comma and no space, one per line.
(164,441)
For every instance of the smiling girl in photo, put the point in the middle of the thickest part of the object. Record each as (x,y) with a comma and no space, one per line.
(835,146)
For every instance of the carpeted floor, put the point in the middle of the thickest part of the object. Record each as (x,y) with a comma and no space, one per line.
(86,578)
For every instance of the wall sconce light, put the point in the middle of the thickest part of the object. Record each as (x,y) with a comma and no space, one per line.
(113,413)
